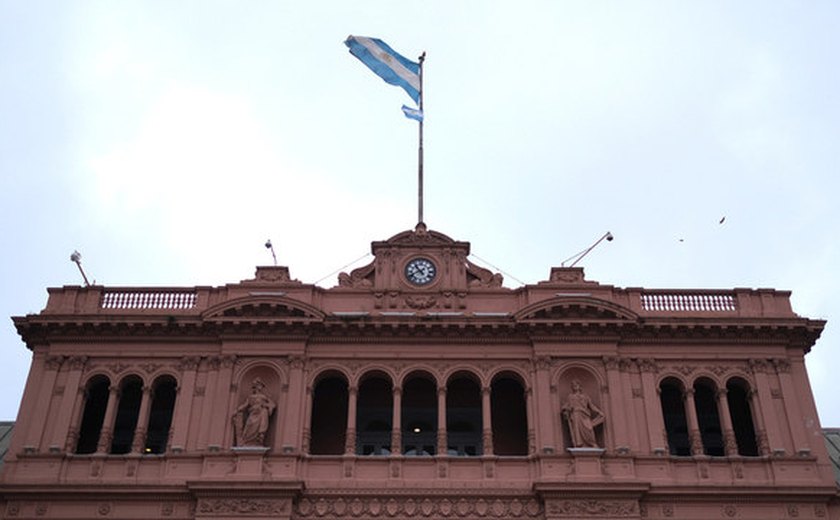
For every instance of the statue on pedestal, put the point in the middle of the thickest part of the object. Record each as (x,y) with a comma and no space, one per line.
(250,421)
(582,416)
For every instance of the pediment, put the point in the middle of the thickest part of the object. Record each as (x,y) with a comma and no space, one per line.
(263,308)
(575,308)
(419,237)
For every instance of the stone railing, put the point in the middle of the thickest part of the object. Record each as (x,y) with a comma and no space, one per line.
(147,300)
(689,302)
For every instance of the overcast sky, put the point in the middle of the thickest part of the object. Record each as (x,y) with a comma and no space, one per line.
(166,141)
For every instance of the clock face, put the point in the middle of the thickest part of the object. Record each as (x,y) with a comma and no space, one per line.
(420,271)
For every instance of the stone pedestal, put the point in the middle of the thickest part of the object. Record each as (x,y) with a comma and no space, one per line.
(249,460)
(587,462)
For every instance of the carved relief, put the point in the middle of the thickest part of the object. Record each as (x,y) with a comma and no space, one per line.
(241,506)
(358,278)
(150,367)
(684,369)
(117,368)
(718,370)
(599,508)
(411,507)
(53,362)
(730,510)
(481,277)
(420,302)
(77,362)
(188,363)
(759,366)
(782,366)
(647,365)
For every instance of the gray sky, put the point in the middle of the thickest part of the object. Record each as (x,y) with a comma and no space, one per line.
(167,140)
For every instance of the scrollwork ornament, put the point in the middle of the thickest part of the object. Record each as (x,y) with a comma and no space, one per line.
(599,508)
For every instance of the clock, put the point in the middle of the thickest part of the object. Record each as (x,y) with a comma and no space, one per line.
(420,271)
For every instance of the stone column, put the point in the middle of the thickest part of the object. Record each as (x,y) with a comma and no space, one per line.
(70,402)
(307,421)
(396,420)
(653,407)
(617,420)
(486,421)
(758,422)
(72,438)
(764,398)
(224,392)
(181,419)
(694,437)
(39,415)
(206,394)
(106,434)
(294,410)
(138,442)
(545,433)
(794,411)
(730,444)
(441,420)
(350,436)
(529,414)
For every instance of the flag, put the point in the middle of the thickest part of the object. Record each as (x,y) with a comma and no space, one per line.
(387,63)
(413,113)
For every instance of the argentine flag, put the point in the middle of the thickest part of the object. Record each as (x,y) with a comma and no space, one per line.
(413,113)
(387,63)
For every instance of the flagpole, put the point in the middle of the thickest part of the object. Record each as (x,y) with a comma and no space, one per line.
(420,149)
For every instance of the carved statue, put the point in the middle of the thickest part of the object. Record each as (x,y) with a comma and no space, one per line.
(582,416)
(250,421)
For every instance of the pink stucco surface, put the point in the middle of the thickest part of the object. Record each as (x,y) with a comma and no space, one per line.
(620,343)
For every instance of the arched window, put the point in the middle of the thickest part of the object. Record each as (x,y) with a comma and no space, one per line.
(673,411)
(160,415)
(329,416)
(463,416)
(96,401)
(374,415)
(738,398)
(131,393)
(419,415)
(509,418)
(708,418)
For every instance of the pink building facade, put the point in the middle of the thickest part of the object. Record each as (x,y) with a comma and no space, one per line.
(418,387)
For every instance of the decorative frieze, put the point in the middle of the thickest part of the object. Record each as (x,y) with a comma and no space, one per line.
(414,507)
(592,508)
(242,506)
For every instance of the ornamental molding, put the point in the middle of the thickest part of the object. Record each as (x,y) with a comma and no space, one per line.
(489,505)
(593,508)
(242,506)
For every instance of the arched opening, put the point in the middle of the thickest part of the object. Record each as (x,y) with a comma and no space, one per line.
(329,416)
(374,415)
(673,411)
(96,401)
(419,416)
(164,391)
(463,416)
(509,418)
(708,418)
(128,409)
(738,398)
